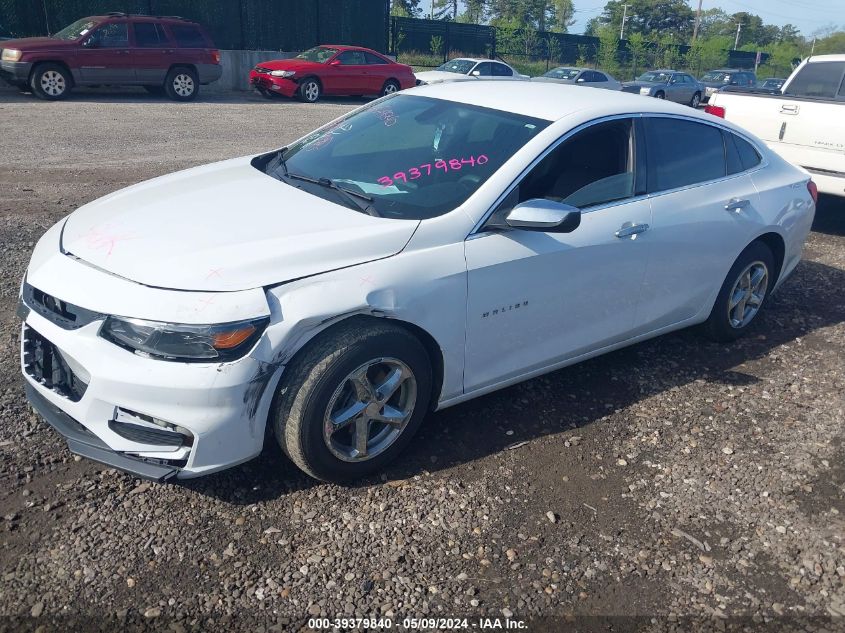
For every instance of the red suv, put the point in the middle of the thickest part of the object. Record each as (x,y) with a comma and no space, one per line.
(163,54)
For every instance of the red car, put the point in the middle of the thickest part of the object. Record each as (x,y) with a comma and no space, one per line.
(169,54)
(331,70)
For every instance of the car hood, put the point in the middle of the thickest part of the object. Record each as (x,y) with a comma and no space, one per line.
(554,80)
(292,64)
(37,43)
(225,227)
(642,84)
(436,76)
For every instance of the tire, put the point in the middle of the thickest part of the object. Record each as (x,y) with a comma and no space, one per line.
(155,90)
(318,385)
(696,100)
(182,84)
(310,90)
(51,82)
(660,95)
(390,86)
(746,289)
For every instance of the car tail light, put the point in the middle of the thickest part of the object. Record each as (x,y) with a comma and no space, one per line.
(215,55)
(715,110)
(814,190)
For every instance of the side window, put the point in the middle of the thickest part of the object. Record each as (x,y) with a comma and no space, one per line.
(732,158)
(747,154)
(672,161)
(113,35)
(598,77)
(373,59)
(593,167)
(819,79)
(500,70)
(484,69)
(351,58)
(148,35)
(187,36)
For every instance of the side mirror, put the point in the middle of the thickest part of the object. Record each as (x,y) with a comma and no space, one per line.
(544,215)
(476,73)
(580,80)
(334,62)
(90,43)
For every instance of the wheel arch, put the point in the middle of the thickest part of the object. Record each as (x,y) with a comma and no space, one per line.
(57,62)
(191,67)
(776,244)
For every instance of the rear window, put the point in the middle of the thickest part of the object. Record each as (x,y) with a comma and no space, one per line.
(682,153)
(149,35)
(818,79)
(500,70)
(374,59)
(188,36)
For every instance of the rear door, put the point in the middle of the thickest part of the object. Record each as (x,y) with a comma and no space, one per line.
(703,213)
(105,55)
(149,52)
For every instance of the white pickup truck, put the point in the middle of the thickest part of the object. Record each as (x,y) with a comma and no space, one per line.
(804,122)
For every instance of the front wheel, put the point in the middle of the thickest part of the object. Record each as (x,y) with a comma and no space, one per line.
(309,91)
(352,400)
(743,294)
(660,95)
(182,84)
(390,86)
(696,100)
(51,82)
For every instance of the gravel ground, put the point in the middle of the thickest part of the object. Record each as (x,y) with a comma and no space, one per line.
(674,485)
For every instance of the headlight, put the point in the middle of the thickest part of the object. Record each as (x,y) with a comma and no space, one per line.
(186,343)
(645,91)
(709,90)
(283,73)
(11,54)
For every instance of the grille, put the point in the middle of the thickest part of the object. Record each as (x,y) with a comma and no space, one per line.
(43,362)
(66,315)
(146,435)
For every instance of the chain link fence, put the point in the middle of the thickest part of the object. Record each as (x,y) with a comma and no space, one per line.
(288,25)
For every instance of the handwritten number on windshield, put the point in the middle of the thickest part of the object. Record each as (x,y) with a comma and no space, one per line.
(453,164)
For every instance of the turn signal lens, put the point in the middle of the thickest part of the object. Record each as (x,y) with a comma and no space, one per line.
(233,338)
(715,110)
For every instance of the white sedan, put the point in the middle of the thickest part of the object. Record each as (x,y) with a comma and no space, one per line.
(467,69)
(427,248)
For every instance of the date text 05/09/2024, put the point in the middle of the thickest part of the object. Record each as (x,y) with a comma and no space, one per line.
(418,624)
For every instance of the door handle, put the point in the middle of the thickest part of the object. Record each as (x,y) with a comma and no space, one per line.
(788,108)
(736,205)
(630,230)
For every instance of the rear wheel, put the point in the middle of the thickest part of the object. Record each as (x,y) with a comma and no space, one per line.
(660,95)
(352,400)
(309,90)
(182,84)
(51,82)
(743,294)
(390,86)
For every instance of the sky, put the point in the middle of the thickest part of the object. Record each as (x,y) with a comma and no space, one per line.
(807,15)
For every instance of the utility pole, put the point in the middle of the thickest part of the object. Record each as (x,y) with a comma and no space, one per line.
(624,18)
(697,22)
(813,48)
(738,29)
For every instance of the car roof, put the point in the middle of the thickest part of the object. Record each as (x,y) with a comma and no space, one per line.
(347,47)
(138,16)
(726,70)
(826,58)
(549,101)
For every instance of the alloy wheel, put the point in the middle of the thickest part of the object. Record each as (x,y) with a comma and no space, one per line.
(370,409)
(312,91)
(183,85)
(746,297)
(390,88)
(53,83)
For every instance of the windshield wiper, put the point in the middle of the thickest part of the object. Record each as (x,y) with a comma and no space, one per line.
(361,200)
(277,161)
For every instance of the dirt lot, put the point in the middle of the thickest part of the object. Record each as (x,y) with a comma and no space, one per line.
(689,484)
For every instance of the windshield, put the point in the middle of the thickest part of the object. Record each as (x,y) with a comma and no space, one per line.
(319,54)
(414,157)
(563,73)
(460,66)
(773,83)
(76,30)
(656,77)
(716,77)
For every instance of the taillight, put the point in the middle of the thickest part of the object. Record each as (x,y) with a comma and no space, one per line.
(814,191)
(715,110)
(215,55)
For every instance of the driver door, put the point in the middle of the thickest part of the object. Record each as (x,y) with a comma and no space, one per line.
(536,299)
(105,56)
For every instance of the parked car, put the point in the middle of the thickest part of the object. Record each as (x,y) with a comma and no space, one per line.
(804,122)
(580,77)
(163,54)
(402,258)
(331,70)
(468,68)
(772,83)
(717,79)
(667,84)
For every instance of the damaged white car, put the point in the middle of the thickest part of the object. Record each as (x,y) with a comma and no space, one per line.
(424,249)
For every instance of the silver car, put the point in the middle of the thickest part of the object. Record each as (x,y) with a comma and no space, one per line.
(580,77)
(667,84)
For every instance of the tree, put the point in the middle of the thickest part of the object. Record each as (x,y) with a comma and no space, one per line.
(474,11)
(647,17)
(405,8)
(638,49)
(608,50)
(446,9)
(564,16)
